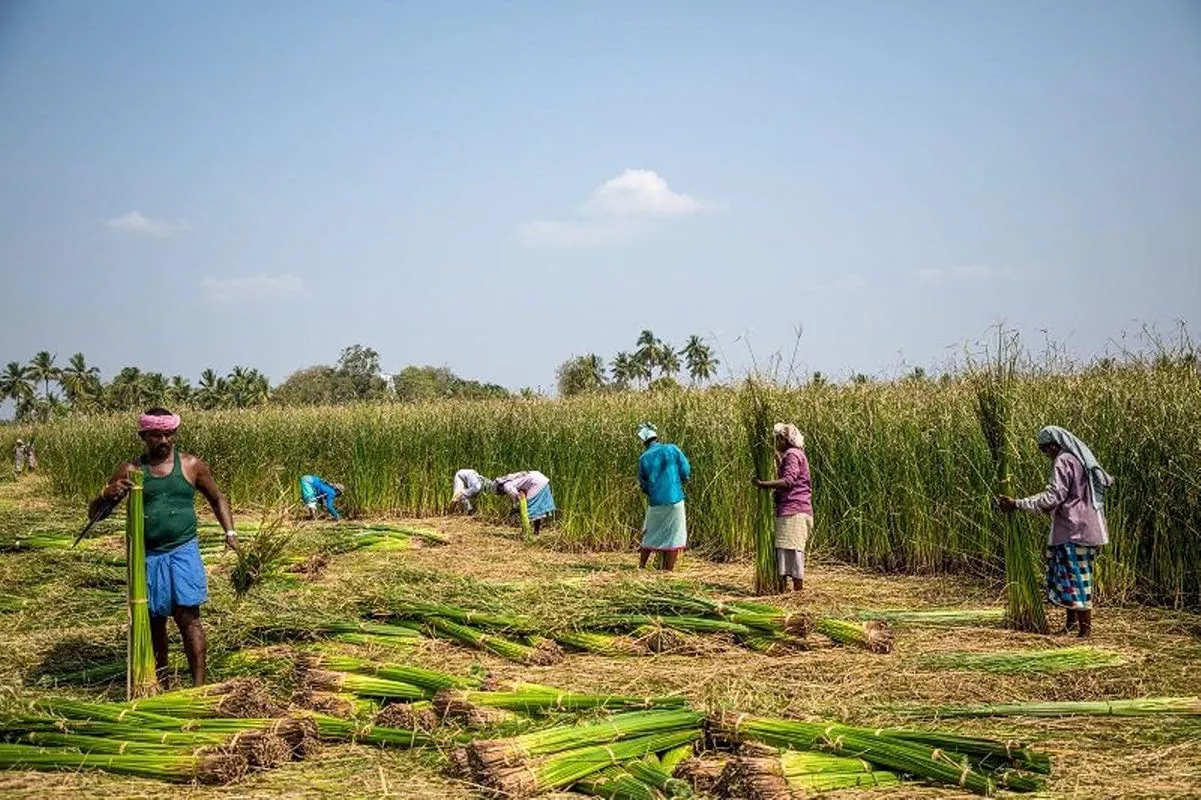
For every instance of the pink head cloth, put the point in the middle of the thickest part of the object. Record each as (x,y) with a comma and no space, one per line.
(150,422)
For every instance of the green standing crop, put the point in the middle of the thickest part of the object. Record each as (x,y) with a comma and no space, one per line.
(140,677)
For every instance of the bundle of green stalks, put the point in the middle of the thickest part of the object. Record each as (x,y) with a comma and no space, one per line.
(564,768)
(763,618)
(926,760)
(261,556)
(527,527)
(1026,661)
(376,630)
(336,704)
(683,624)
(617,783)
(1143,706)
(240,698)
(343,730)
(141,679)
(994,401)
(757,420)
(385,529)
(440,628)
(938,617)
(506,623)
(539,699)
(419,716)
(363,685)
(207,768)
(872,635)
(417,676)
(493,755)
(790,774)
(652,771)
(36,541)
(603,644)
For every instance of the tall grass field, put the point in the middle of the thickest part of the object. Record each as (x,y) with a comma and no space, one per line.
(902,475)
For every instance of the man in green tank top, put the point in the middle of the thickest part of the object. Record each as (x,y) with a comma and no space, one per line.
(175,579)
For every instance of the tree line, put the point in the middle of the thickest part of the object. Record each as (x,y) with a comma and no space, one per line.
(653,364)
(42,389)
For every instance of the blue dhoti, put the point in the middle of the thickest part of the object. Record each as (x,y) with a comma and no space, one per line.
(175,578)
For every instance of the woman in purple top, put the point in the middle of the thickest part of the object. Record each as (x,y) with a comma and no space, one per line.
(1075,500)
(794,502)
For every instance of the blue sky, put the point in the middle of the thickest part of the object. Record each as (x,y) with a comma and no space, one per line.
(496,186)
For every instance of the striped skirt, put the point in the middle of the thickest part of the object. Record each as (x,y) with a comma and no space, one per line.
(1070,575)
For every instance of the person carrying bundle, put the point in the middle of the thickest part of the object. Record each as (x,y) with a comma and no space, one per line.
(175,580)
(663,469)
(794,502)
(1075,500)
(19,457)
(467,484)
(314,490)
(534,487)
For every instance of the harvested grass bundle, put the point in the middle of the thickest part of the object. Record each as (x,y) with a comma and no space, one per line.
(261,749)
(672,758)
(770,645)
(419,716)
(262,556)
(365,685)
(682,624)
(377,629)
(1026,661)
(208,768)
(417,676)
(1139,707)
(604,644)
(755,406)
(492,754)
(938,616)
(490,642)
(616,783)
(243,698)
(102,712)
(342,730)
(567,767)
(527,527)
(334,704)
(702,774)
(141,679)
(994,386)
(650,770)
(505,623)
(872,635)
(762,619)
(450,702)
(933,763)
(92,744)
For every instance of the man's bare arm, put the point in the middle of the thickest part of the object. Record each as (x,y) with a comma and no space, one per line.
(217,501)
(116,487)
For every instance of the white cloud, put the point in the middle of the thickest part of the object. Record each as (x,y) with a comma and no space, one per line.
(136,222)
(968,272)
(639,193)
(616,212)
(253,287)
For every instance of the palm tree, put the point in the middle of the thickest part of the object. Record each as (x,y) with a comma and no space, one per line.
(80,381)
(127,389)
(699,357)
(16,384)
(623,369)
(42,368)
(669,362)
(179,390)
(155,390)
(248,387)
(211,388)
(646,357)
